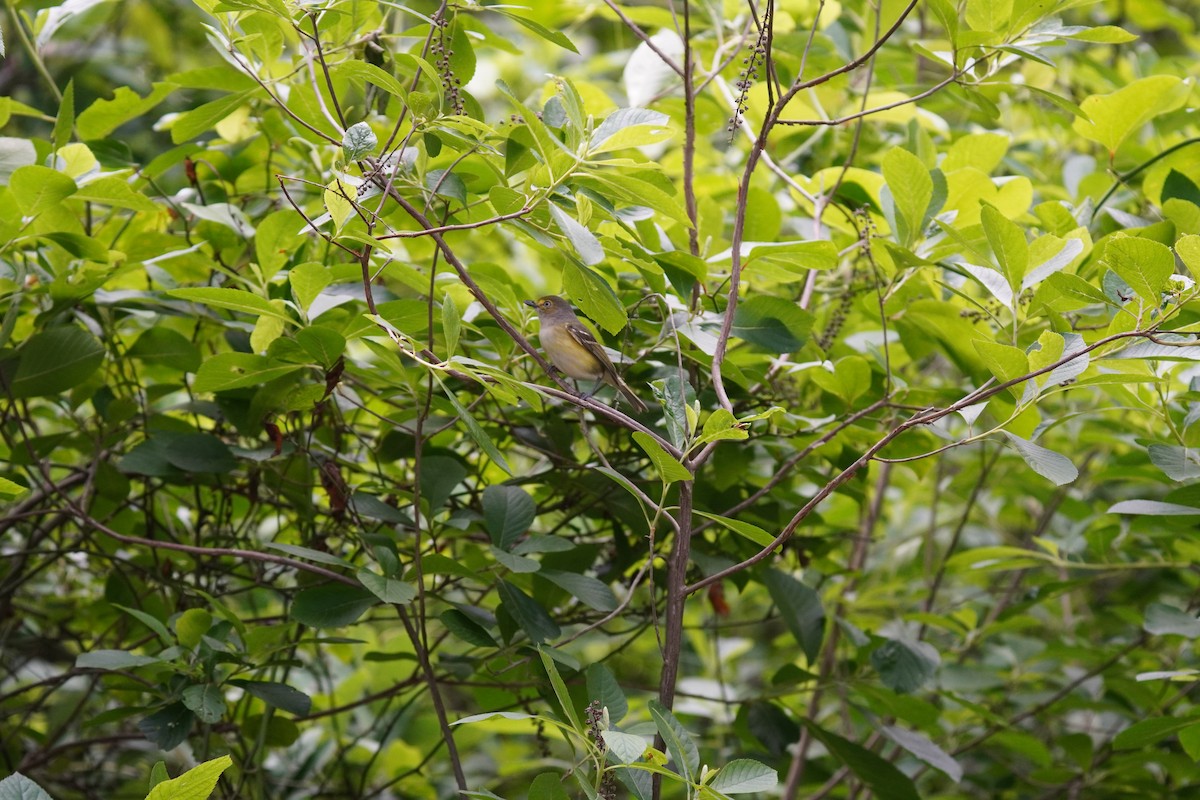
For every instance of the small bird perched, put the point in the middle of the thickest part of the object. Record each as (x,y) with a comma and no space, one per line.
(573,349)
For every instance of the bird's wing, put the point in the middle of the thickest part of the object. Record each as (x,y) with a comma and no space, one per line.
(582,335)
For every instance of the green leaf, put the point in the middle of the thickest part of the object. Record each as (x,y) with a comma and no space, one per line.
(594,296)
(904,666)
(529,615)
(557,37)
(669,467)
(451,323)
(205,701)
(1065,292)
(232,299)
(167,347)
(369,73)
(602,685)
(55,361)
(800,607)
(773,323)
(191,626)
(923,748)
(881,776)
(389,590)
(150,621)
(113,659)
(508,511)
(17,787)
(9,489)
(754,533)
(1163,619)
(1005,362)
(1112,117)
(565,703)
(1047,463)
(586,244)
(911,188)
(744,775)
(466,628)
(204,118)
(1144,264)
(1152,508)
(226,371)
(199,452)
(358,141)
(277,695)
(197,783)
(331,606)
(37,188)
(1148,732)
(1008,244)
(796,256)
(104,116)
(630,127)
(679,742)
(593,593)
(168,728)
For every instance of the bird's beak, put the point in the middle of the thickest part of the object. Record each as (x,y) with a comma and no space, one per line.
(531,304)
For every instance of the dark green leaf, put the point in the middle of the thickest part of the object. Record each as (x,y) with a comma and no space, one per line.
(331,606)
(904,666)
(56,360)
(773,323)
(169,727)
(508,511)
(800,607)
(529,615)
(277,695)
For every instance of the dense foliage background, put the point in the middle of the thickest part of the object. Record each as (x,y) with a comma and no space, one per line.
(287,487)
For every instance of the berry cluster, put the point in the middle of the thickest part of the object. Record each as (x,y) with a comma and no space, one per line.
(442,49)
(750,65)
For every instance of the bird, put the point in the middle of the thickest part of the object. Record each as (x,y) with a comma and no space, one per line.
(572,348)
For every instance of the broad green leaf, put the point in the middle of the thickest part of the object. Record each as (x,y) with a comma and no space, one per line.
(226,371)
(904,666)
(800,607)
(538,625)
(104,116)
(911,188)
(1188,250)
(197,783)
(277,695)
(795,256)
(168,728)
(629,127)
(989,15)
(669,468)
(1153,508)
(37,188)
(1144,264)
(389,590)
(205,701)
(113,659)
(557,37)
(115,192)
(594,297)
(1149,732)
(679,742)
(742,528)
(744,775)
(508,511)
(1065,292)
(232,299)
(1005,362)
(162,345)
(878,774)
(625,747)
(590,251)
(358,141)
(1008,244)
(602,685)
(1163,619)
(1112,117)
(191,626)
(772,323)
(1047,463)
(56,360)
(204,118)
(1179,463)
(593,593)
(17,787)
(466,628)
(924,748)
(9,489)
(333,605)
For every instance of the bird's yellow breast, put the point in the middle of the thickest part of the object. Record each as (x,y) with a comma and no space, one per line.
(569,355)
